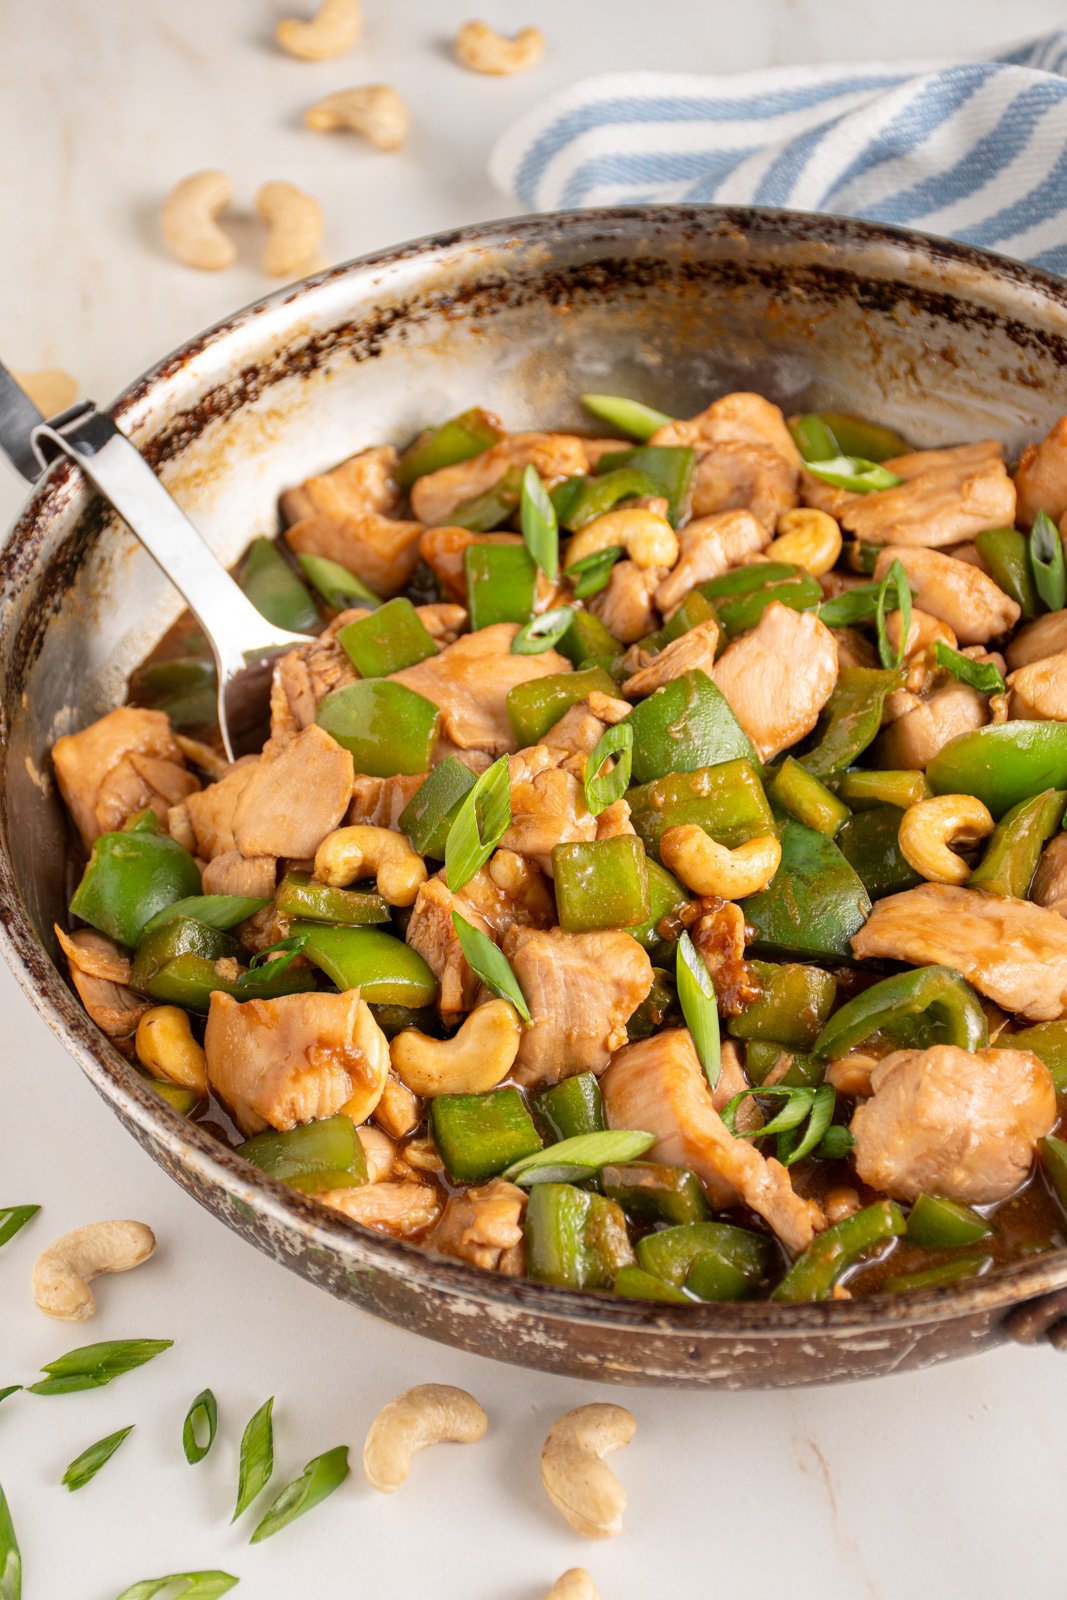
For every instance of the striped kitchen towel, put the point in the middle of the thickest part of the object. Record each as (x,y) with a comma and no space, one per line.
(975,149)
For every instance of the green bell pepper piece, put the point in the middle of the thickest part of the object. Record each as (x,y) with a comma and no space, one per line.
(340,588)
(743,1258)
(312,1158)
(391,638)
(727,801)
(814,1274)
(655,1008)
(478,1135)
(387,726)
(666,897)
(184,1101)
(814,903)
(870,843)
(394,1019)
(488,510)
(1007,555)
(384,969)
(431,811)
(693,610)
(574,1238)
(851,719)
(185,687)
(797,791)
(865,787)
(634,1283)
(275,590)
(945,1004)
(501,583)
(813,437)
(459,439)
(855,436)
(579,501)
(182,936)
(763,1055)
(587,641)
(744,580)
(939,1224)
(190,980)
(299,896)
(651,1192)
(1053,1153)
(216,910)
(744,611)
(792,1007)
(671,465)
(1014,849)
(536,705)
(129,877)
(569,1108)
(1048,1041)
(969,1266)
(600,883)
(1002,763)
(685,725)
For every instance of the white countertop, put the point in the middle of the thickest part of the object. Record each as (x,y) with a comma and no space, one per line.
(948,1483)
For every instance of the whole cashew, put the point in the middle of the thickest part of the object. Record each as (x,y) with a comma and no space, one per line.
(576,1480)
(574,1584)
(295,223)
(431,1413)
(377,111)
(928,827)
(810,539)
(335,28)
(707,867)
(50,388)
(648,539)
(474,1060)
(482,49)
(165,1045)
(189,221)
(364,851)
(62,1274)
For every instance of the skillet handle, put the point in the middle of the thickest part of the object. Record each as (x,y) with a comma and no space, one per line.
(1037,1320)
(18,418)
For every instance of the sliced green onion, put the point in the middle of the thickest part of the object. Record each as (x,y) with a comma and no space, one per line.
(86,1466)
(257,1457)
(700,1007)
(814,437)
(794,1146)
(573,1159)
(92,1366)
(12,1388)
(897,580)
(319,1478)
(10,1559)
(797,1104)
(981,675)
(543,632)
(537,518)
(854,474)
(202,1415)
(12,1218)
(340,589)
(194,1586)
(489,964)
(855,605)
(267,966)
(602,789)
(1047,563)
(593,573)
(481,822)
(814,1105)
(219,911)
(629,416)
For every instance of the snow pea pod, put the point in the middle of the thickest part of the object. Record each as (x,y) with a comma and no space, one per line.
(1002,763)
(743,1258)
(393,637)
(1048,1041)
(300,896)
(570,1108)
(581,500)
(488,510)
(587,642)
(534,706)
(1014,849)
(969,1266)
(1053,1153)
(671,465)
(190,980)
(634,1283)
(385,969)
(275,590)
(865,787)
(744,611)
(316,1156)
(851,719)
(129,877)
(666,897)
(942,1004)
(652,1192)
(940,1224)
(800,793)
(185,687)
(429,814)
(814,903)
(182,936)
(685,725)
(501,583)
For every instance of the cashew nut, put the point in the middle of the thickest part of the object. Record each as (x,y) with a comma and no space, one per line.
(335,28)
(364,851)
(475,1059)
(165,1045)
(482,49)
(576,1480)
(189,221)
(50,388)
(928,827)
(431,1413)
(707,867)
(574,1584)
(808,538)
(377,111)
(61,1276)
(647,538)
(295,223)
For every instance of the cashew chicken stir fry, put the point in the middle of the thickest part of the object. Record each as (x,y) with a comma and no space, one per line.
(653,878)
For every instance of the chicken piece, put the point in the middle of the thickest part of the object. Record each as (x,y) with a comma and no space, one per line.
(302,1057)
(582,989)
(399,1111)
(547,806)
(470,681)
(100,972)
(233,873)
(626,606)
(180,828)
(742,418)
(348,515)
(580,729)
(658,1085)
(975,608)
(444,551)
(1039,691)
(734,476)
(303,678)
(125,762)
(778,676)
(432,934)
(378,1147)
(614,822)
(946,498)
(853,650)
(509,889)
(1011,951)
(211,811)
(709,547)
(732,1081)
(1045,636)
(402,1209)
(948,1122)
(294,798)
(381,800)
(1041,476)
(693,649)
(443,620)
(484,1226)
(1049,888)
(921,727)
(555,455)
(924,633)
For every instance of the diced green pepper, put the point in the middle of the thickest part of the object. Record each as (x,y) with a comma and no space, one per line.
(129,877)
(570,1108)
(385,969)
(855,436)
(1014,849)
(391,638)
(865,787)
(870,843)
(190,980)
(216,910)
(851,718)
(183,936)
(587,640)
(655,1008)
(275,590)
(387,726)
(666,897)
(693,610)
(600,883)
(340,589)
(501,583)
(313,1157)
(671,465)
(1004,551)
(299,896)
(800,793)
(579,501)
(1048,1041)
(185,687)
(937,1000)
(939,1224)
(744,580)
(1053,1153)
(792,1007)
(634,1283)
(685,725)
(814,903)
(478,1135)
(432,809)
(536,705)
(1002,763)
(744,611)
(574,1238)
(652,1192)
(814,1274)
(727,801)
(486,511)
(743,1258)
(969,1266)
(763,1055)
(459,439)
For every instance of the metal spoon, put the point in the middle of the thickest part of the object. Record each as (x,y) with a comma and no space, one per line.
(242,641)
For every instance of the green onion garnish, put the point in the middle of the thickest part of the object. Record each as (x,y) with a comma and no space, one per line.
(854,474)
(221,911)
(12,1388)
(86,1466)
(629,416)
(700,1007)
(855,605)
(319,1478)
(257,1457)
(1047,563)
(194,1586)
(794,1146)
(202,1416)
(12,1218)
(543,632)
(593,574)
(896,579)
(981,675)
(481,822)
(10,1559)
(537,518)
(602,789)
(579,1157)
(798,1105)
(91,1366)
(489,963)
(814,438)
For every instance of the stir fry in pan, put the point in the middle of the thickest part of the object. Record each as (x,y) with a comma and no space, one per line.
(653,878)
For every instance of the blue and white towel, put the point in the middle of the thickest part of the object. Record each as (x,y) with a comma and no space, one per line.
(976,150)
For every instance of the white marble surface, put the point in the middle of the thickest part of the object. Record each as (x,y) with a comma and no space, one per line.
(946,1484)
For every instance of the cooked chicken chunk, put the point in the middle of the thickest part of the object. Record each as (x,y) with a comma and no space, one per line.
(626,606)
(709,547)
(100,972)
(402,1209)
(1011,951)
(125,762)
(1049,888)
(233,873)
(731,476)
(348,515)
(580,729)
(614,821)
(294,798)
(381,800)
(211,811)
(555,455)
(1045,636)
(948,1122)
(946,498)
(1041,476)
(921,727)
(547,806)
(444,551)
(741,418)
(975,608)
(1039,691)
(658,1085)
(295,1059)
(508,890)
(484,1226)
(694,649)
(582,989)
(304,677)
(778,677)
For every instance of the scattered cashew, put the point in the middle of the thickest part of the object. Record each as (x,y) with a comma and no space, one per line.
(474,1060)
(928,827)
(647,538)
(189,221)
(707,867)
(810,539)
(50,388)
(376,111)
(363,851)
(165,1045)
(295,223)
(431,1413)
(574,1584)
(335,28)
(62,1274)
(482,49)
(576,1480)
